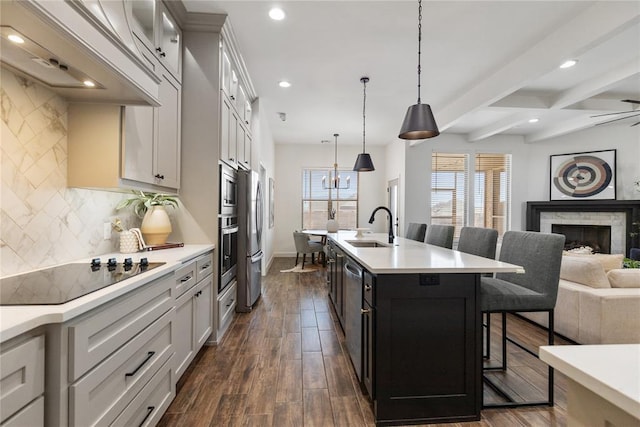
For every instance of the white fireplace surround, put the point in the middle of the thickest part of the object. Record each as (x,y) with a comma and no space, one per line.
(617,221)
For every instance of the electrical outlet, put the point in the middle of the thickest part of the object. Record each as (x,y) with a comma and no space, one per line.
(107,231)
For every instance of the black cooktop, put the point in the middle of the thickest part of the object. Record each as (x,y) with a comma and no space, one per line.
(64,283)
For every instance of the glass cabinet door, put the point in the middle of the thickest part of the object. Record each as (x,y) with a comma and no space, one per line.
(170,42)
(144,17)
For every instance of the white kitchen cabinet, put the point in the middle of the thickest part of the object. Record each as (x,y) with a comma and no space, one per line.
(133,147)
(227,302)
(22,373)
(194,309)
(157,31)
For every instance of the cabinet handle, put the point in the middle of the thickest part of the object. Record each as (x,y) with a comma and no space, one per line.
(367,287)
(365,310)
(149,412)
(204,267)
(158,49)
(198,294)
(233,98)
(230,302)
(149,356)
(163,54)
(185,279)
(246,121)
(232,159)
(159,176)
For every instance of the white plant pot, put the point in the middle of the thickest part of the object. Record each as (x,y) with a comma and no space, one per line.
(128,242)
(156,226)
(332,226)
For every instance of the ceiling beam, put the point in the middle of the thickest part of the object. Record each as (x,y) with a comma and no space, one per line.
(498,127)
(567,126)
(596,85)
(520,100)
(541,58)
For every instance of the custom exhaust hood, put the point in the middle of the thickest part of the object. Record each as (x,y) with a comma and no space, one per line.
(54,44)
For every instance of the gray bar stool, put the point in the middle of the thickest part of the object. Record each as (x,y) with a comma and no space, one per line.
(440,235)
(416,231)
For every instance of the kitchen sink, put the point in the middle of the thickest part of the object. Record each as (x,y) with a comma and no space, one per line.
(367,244)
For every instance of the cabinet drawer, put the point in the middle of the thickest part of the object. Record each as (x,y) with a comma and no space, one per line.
(22,374)
(185,277)
(226,305)
(149,405)
(204,266)
(107,328)
(31,416)
(102,394)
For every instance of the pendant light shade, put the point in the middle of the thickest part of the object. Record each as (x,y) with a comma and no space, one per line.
(419,122)
(364,162)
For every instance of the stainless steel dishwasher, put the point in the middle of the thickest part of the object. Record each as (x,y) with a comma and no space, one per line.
(353,315)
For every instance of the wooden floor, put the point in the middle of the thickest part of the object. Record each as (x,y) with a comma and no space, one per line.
(285,364)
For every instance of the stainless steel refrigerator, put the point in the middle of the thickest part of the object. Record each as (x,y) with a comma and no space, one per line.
(250,212)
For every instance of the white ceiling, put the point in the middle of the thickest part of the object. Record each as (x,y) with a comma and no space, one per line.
(487,66)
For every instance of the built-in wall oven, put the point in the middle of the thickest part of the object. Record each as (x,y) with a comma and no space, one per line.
(228,191)
(228,244)
(228,227)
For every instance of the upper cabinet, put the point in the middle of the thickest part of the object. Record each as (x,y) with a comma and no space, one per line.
(235,135)
(157,31)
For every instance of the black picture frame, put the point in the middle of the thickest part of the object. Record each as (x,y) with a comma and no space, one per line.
(589,175)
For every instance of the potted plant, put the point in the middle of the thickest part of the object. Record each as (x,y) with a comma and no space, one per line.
(332,224)
(156,225)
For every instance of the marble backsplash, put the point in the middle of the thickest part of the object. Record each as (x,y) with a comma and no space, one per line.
(42,222)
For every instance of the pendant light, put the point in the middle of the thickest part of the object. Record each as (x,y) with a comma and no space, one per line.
(419,122)
(364,162)
(336,182)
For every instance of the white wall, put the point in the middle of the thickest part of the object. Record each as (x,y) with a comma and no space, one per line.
(292,159)
(624,138)
(530,167)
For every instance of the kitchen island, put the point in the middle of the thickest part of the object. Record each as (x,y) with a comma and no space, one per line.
(412,322)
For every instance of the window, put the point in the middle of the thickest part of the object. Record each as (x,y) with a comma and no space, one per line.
(488,201)
(319,196)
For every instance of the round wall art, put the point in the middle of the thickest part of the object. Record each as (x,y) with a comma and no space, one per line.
(583,175)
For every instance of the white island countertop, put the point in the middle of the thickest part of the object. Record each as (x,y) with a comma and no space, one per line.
(407,256)
(612,371)
(17,319)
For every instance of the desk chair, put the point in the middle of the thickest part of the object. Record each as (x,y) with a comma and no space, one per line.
(304,247)
(536,290)
(416,231)
(440,235)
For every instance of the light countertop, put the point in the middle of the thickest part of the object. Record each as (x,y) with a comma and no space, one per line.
(15,320)
(611,371)
(410,256)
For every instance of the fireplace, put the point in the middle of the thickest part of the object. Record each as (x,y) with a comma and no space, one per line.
(597,237)
(618,214)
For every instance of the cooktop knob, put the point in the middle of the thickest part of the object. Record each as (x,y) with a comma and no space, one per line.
(144,262)
(95,262)
(128,261)
(112,262)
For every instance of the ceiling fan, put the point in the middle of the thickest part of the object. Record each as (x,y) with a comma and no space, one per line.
(628,114)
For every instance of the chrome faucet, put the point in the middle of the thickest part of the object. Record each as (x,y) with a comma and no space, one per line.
(373,214)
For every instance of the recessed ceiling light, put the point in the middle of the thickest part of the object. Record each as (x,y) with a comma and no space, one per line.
(276,14)
(15,38)
(569,63)
(284,83)
(89,83)
(534,120)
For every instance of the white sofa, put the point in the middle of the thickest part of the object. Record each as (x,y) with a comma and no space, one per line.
(598,301)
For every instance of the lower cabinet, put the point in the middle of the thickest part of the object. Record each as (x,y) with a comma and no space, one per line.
(226,307)
(194,309)
(336,282)
(22,378)
(194,315)
(423,344)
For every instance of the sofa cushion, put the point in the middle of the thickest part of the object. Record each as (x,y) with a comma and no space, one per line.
(624,278)
(608,261)
(584,270)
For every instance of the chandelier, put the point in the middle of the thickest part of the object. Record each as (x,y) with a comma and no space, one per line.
(334,180)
